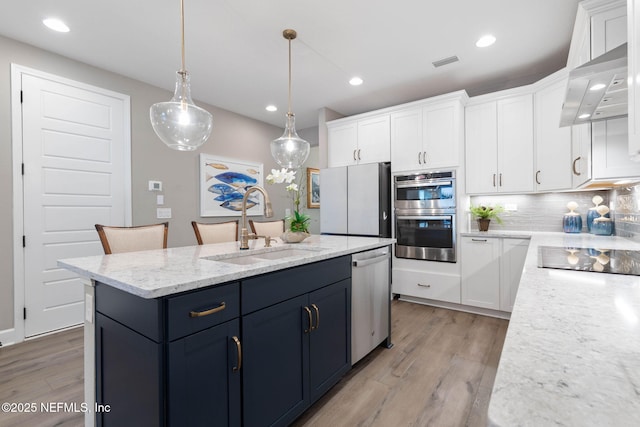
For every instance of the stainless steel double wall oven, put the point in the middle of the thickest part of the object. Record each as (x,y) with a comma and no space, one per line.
(425,213)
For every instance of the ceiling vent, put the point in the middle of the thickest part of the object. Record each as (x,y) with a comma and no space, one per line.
(445,61)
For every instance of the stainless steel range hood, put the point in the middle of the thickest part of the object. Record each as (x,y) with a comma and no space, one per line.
(584,102)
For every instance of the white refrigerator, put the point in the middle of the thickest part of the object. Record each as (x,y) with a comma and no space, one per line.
(356,200)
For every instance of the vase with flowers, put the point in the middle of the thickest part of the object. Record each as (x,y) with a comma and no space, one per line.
(484,215)
(298,223)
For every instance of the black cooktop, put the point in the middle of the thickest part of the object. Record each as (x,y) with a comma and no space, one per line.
(617,261)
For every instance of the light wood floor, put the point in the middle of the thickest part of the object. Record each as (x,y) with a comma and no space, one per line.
(439,373)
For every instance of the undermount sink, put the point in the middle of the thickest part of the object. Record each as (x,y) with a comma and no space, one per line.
(254,258)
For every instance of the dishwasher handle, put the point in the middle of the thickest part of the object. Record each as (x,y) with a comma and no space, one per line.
(368,261)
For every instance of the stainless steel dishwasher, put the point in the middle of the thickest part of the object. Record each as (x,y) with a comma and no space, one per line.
(370,301)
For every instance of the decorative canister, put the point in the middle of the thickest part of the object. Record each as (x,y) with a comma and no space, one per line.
(572,221)
(602,226)
(592,213)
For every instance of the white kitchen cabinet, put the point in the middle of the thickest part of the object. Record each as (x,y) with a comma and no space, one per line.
(552,143)
(491,270)
(480,259)
(514,253)
(428,136)
(426,285)
(610,150)
(608,27)
(581,154)
(633,73)
(342,144)
(359,140)
(499,146)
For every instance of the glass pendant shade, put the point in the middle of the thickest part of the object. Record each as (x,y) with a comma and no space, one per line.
(290,151)
(180,123)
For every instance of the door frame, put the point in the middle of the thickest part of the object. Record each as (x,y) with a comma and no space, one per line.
(16,334)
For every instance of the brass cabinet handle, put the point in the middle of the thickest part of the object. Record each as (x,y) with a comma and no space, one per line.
(221,307)
(494,179)
(306,331)
(537,175)
(500,180)
(315,307)
(575,171)
(424,286)
(239,350)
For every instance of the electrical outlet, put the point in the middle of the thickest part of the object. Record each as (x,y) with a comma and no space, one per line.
(163,213)
(160,199)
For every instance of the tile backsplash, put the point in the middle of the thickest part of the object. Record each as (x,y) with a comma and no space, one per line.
(626,211)
(538,212)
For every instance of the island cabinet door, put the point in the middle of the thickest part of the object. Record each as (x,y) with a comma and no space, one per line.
(128,376)
(204,377)
(330,337)
(275,367)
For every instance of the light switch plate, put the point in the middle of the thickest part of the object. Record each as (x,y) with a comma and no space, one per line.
(163,213)
(160,199)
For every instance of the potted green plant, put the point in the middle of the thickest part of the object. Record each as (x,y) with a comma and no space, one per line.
(484,215)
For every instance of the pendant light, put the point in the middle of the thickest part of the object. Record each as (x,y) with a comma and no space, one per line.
(290,151)
(180,123)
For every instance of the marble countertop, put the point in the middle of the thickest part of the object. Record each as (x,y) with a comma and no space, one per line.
(571,356)
(156,273)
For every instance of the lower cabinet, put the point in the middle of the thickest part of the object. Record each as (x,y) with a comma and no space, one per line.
(423,284)
(491,270)
(203,358)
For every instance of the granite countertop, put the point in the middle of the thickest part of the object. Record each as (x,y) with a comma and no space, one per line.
(156,273)
(571,356)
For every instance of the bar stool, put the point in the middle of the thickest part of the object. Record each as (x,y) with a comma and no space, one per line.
(130,239)
(216,232)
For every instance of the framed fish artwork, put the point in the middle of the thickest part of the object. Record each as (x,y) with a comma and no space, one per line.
(223,183)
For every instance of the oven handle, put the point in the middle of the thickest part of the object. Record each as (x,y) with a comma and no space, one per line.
(423,184)
(436,217)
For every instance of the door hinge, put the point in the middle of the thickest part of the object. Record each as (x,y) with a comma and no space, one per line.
(24,241)
(24,313)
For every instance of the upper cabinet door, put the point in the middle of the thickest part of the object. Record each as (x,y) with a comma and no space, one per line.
(406,140)
(374,140)
(442,134)
(515,144)
(633,50)
(608,30)
(481,148)
(553,143)
(342,144)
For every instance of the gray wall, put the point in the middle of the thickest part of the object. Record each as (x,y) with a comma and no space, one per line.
(233,136)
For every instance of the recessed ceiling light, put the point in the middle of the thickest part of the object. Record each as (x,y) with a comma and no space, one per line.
(355,81)
(485,41)
(598,86)
(56,25)
(584,116)
(271,108)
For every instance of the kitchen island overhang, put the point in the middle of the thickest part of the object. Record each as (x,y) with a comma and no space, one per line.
(162,274)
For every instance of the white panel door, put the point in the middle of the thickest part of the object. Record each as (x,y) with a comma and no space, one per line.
(481,148)
(481,272)
(441,135)
(342,144)
(75,148)
(406,140)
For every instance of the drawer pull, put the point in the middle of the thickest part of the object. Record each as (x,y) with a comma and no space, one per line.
(424,286)
(478,240)
(315,307)
(306,331)
(239,350)
(221,307)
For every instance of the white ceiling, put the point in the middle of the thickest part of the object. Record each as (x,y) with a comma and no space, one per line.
(237,56)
